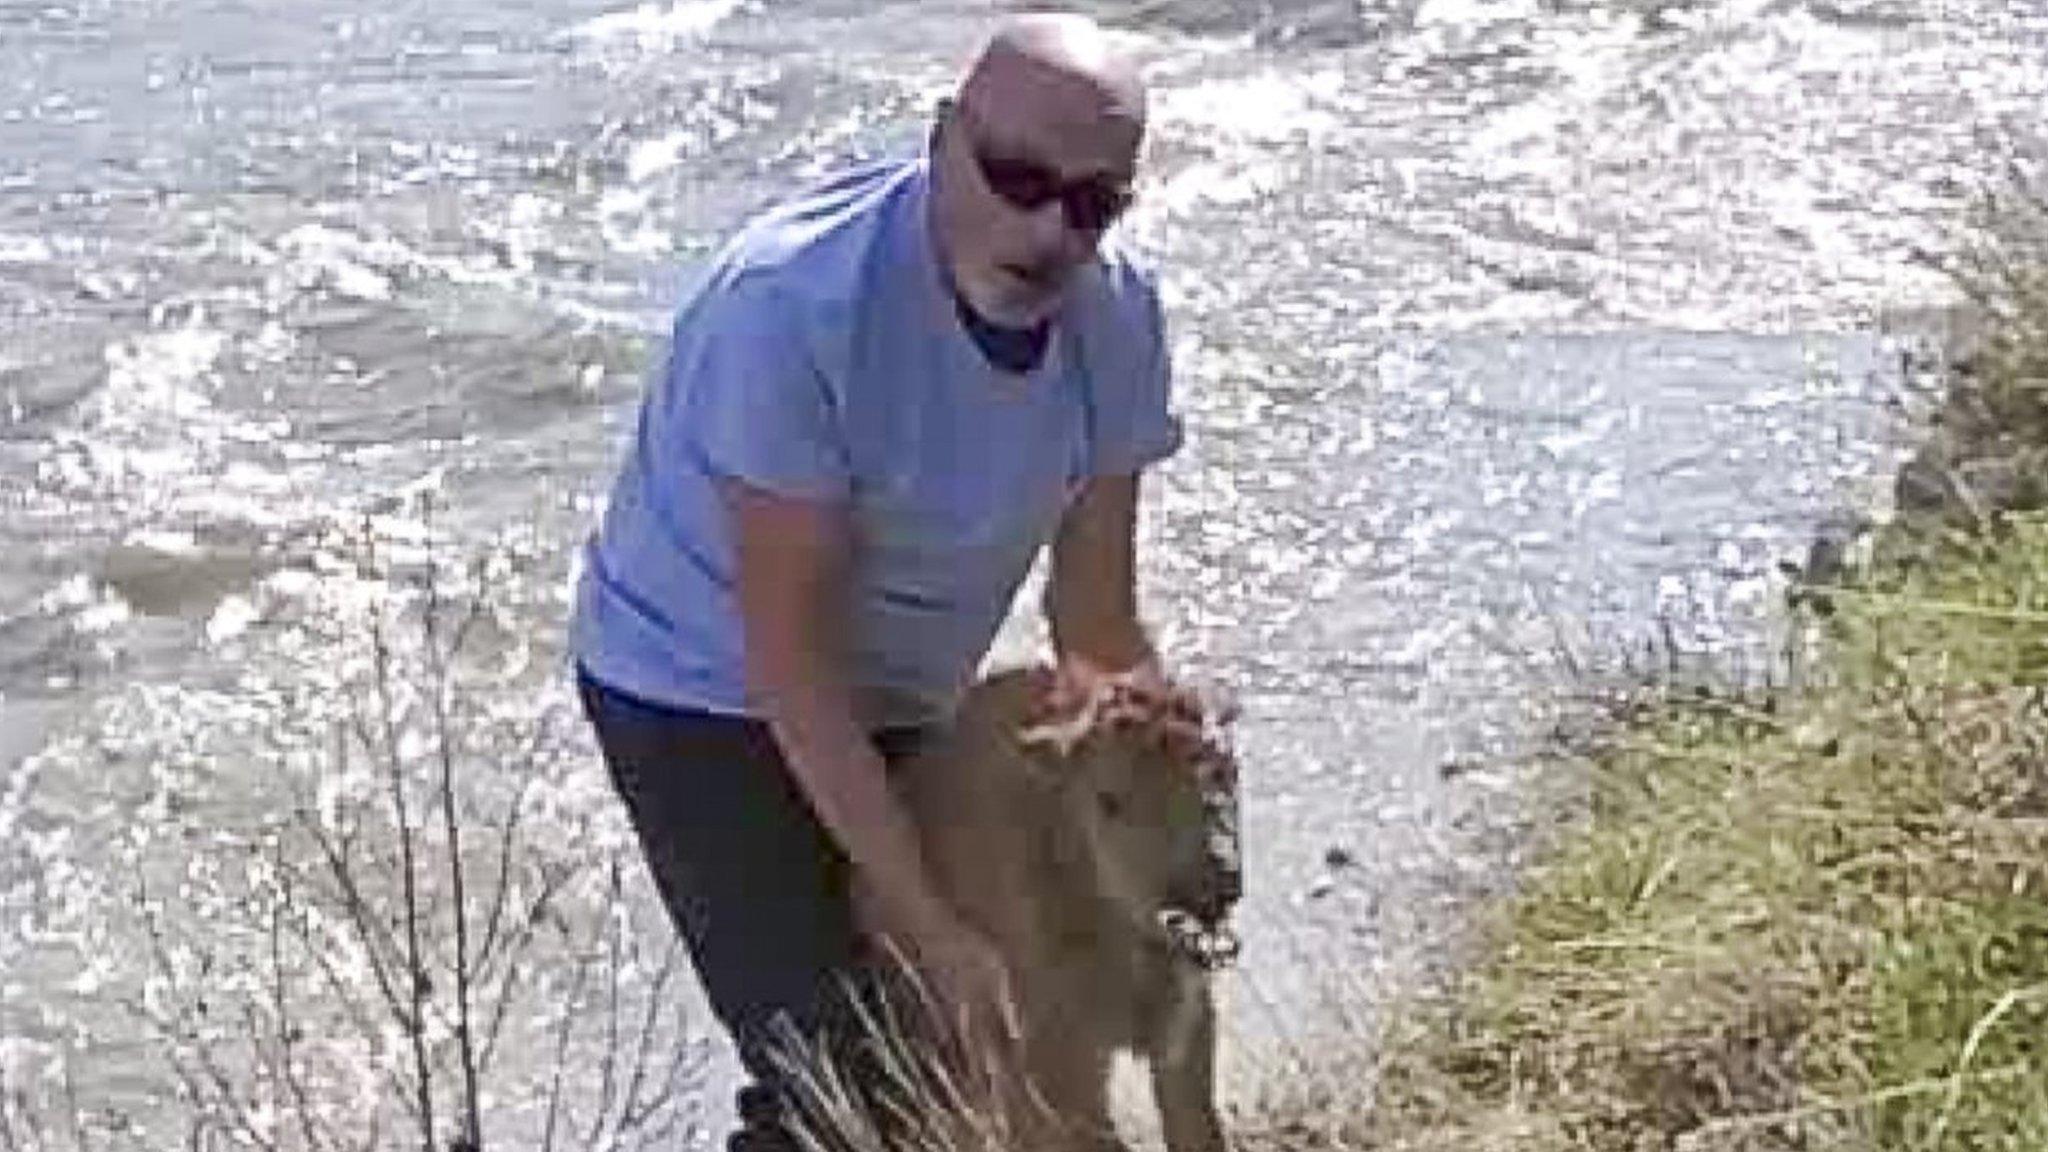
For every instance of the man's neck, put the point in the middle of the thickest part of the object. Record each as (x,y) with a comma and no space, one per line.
(1016,350)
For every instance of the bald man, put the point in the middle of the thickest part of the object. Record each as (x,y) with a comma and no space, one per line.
(884,400)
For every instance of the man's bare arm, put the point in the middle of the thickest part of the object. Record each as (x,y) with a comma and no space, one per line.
(793,561)
(793,558)
(1091,595)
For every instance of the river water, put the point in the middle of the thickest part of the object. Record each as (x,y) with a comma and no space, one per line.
(1509,335)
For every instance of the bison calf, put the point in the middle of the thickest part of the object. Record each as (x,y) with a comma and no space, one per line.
(1098,849)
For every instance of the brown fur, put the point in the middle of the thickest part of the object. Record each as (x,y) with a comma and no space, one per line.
(1064,849)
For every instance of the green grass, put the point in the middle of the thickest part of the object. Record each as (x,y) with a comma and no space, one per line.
(1814,918)
(1817,920)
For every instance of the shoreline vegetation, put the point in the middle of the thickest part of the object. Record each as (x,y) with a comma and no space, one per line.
(1811,915)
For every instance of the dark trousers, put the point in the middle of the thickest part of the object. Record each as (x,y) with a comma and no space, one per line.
(756,886)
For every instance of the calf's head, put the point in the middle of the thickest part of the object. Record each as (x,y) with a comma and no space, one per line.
(1148,784)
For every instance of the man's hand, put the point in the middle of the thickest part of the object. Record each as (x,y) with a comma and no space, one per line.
(1077,679)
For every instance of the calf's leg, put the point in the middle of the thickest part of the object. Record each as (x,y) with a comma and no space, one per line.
(1183,1060)
(1068,1109)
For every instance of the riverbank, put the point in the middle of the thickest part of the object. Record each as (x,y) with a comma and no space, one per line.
(1810,916)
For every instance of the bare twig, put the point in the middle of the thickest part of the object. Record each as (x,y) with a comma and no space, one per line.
(12,1142)
(368,930)
(193,1089)
(629,1116)
(281,1007)
(415,1024)
(658,1106)
(607,1065)
(444,741)
(262,1070)
(508,841)
(561,1051)
(664,1093)
(1699,1138)
(72,1110)
(184,1039)
(1953,1100)
(551,886)
(659,1102)
(347,998)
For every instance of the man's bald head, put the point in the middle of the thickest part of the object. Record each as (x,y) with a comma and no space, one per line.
(1048,62)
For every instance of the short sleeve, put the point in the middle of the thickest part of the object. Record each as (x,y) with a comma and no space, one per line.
(753,397)
(1136,425)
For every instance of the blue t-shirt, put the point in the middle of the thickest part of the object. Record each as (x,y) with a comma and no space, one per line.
(820,357)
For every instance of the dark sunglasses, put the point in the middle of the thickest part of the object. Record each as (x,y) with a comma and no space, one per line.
(1090,205)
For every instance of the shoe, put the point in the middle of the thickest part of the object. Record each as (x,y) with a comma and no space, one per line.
(758,1107)
(762,1140)
(761,1128)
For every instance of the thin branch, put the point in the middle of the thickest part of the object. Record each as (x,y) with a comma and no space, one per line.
(1933,606)
(189,1049)
(196,1091)
(561,1051)
(606,1069)
(2006,1003)
(520,942)
(1699,1137)
(444,741)
(71,1107)
(635,1114)
(661,1098)
(643,1049)
(183,1040)
(7,1115)
(281,1006)
(659,1105)
(499,1012)
(263,1074)
(506,844)
(347,997)
(416,1025)
(351,1004)
(368,929)
(374,1139)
